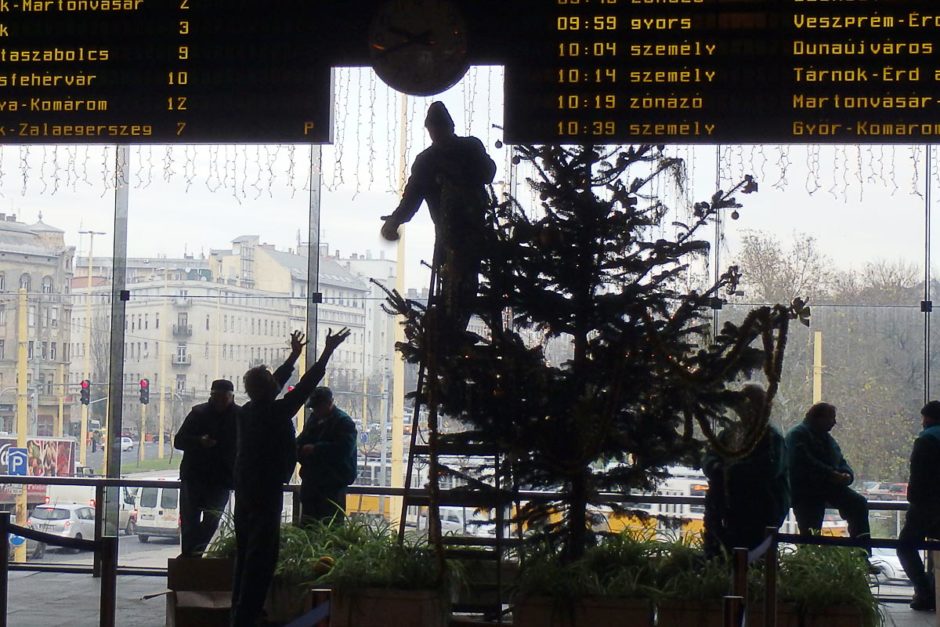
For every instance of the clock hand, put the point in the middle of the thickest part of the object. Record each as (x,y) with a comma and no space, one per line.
(419,39)
(386,51)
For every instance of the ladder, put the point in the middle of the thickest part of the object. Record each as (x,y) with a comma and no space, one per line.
(445,457)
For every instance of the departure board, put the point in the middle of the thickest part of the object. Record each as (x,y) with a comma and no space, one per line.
(734,71)
(162,71)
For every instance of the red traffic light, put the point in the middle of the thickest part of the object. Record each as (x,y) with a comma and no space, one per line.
(86,384)
(145,383)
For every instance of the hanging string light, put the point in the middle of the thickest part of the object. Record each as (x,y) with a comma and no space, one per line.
(813,183)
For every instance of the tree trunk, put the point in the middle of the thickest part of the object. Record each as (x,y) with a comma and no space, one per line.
(577,517)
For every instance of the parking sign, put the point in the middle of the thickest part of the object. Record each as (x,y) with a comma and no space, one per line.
(17,461)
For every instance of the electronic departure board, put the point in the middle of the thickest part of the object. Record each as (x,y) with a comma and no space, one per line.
(599,71)
(159,71)
(740,71)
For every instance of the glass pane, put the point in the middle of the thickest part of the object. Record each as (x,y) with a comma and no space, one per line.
(845,231)
(170,499)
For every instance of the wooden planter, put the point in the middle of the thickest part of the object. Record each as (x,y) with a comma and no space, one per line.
(587,612)
(380,607)
(200,592)
(709,614)
(479,589)
(285,601)
(834,617)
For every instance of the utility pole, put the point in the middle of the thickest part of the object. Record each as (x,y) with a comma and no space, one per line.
(164,357)
(82,442)
(22,397)
(398,363)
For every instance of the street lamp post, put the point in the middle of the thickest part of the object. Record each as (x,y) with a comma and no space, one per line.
(82,445)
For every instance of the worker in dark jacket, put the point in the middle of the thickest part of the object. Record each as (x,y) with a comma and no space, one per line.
(748,494)
(207,439)
(451,176)
(326,450)
(265,460)
(820,476)
(923,515)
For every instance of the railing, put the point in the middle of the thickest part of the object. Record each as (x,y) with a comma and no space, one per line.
(182,360)
(183,301)
(105,547)
(182,330)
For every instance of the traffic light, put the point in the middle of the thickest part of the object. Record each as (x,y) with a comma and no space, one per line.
(86,391)
(144,391)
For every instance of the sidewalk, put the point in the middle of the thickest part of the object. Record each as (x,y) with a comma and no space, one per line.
(54,599)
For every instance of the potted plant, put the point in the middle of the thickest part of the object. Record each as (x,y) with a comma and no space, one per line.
(377,582)
(807,578)
(612,583)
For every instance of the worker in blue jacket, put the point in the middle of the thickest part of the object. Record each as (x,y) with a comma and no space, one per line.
(923,515)
(820,476)
(326,450)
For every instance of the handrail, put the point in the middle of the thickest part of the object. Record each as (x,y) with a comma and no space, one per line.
(524,495)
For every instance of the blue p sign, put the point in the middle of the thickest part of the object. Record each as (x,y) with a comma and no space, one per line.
(16,540)
(17,461)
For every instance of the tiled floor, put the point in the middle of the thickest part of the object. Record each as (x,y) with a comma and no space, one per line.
(54,599)
(899,615)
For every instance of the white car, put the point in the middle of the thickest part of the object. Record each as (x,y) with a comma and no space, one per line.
(127,444)
(69,520)
(888,565)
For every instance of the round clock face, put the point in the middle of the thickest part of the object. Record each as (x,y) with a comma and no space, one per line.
(419,47)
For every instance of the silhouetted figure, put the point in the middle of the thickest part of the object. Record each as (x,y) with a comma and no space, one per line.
(265,460)
(326,450)
(748,494)
(923,515)
(820,476)
(207,439)
(451,176)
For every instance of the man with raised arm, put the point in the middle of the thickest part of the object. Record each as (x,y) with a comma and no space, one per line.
(265,459)
(451,176)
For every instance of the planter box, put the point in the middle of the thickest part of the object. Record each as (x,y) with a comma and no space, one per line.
(200,592)
(479,589)
(709,614)
(380,607)
(834,617)
(285,601)
(587,612)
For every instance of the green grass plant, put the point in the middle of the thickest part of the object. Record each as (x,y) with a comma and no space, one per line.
(818,577)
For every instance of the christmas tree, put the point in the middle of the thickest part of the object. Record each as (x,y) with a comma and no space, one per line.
(647,383)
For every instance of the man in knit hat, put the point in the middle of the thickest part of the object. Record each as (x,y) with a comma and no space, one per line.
(451,176)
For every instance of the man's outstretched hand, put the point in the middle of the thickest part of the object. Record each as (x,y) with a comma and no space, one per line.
(332,341)
(297,342)
(390,230)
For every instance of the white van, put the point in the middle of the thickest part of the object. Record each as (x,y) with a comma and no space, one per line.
(158,513)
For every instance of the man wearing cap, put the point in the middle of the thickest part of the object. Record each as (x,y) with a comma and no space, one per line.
(207,439)
(451,176)
(326,450)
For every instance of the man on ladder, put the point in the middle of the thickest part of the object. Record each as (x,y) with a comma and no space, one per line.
(451,176)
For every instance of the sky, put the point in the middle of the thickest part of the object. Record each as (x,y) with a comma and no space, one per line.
(861,203)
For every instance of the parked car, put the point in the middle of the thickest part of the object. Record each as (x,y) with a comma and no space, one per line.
(127,444)
(888,565)
(69,520)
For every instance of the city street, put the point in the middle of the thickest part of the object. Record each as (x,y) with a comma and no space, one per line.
(132,553)
(129,458)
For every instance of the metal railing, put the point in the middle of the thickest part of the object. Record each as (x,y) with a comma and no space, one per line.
(105,547)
